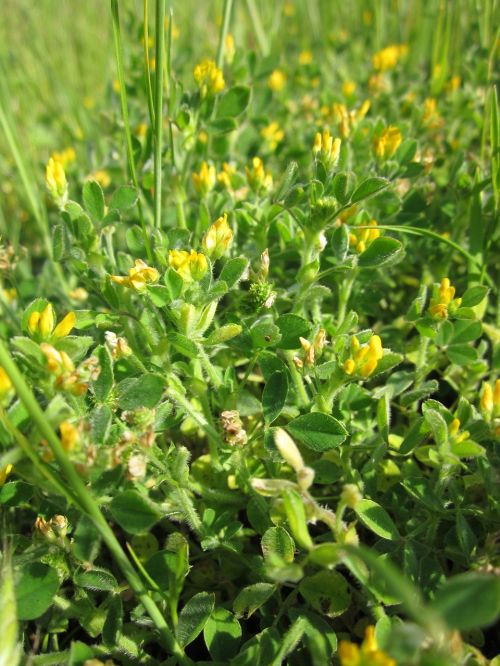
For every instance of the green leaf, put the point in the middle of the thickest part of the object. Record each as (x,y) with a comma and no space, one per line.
(342,186)
(327,592)
(233,271)
(222,634)
(320,638)
(276,541)
(319,432)
(144,391)
(114,621)
(134,512)
(461,354)
(381,251)
(104,383)
(183,345)
(160,295)
(251,598)
(15,493)
(292,327)
(406,152)
(474,295)
(233,102)
(376,518)
(469,601)
(467,449)
(93,199)
(123,198)
(369,188)
(174,283)
(100,421)
(96,579)
(466,330)
(194,616)
(437,424)
(274,396)
(223,125)
(35,590)
(61,243)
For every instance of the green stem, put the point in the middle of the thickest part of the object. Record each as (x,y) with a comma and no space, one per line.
(344,295)
(208,367)
(147,72)
(258,28)
(87,503)
(158,134)
(198,418)
(297,380)
(226,15)
(126,122)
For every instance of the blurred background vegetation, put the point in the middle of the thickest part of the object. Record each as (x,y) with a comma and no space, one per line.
(57,65)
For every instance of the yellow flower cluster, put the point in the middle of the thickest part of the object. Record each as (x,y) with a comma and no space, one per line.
(5,383)
(259,178)
(327,147)
(61,365)
(55,180)
(388,58)
(368,654)
(218,238)
(490,399)
(42,325)
(359,239)
(347,120)
(209,78)
(272,134)
(305,58)
(364,358)
(277,80)
(443,300)
(312,350)
(226,175)
(4,473)
(204,181)
(386,143)
(70,435)
(101,176)
(139,276)
(431,116)
(64,157)
(191,266)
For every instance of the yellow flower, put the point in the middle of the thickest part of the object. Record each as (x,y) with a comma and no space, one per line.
(4,473)
(209,78)
(218,238)
(430,115)
(277,80)
(5,383)
(138,276)
(42,324)
(368,654)
(229,49)
(205,180)
(65,156)
(258,178)
(57,361)
(78,294)
(191,266)
(348,88)
(101,176)
(388,58)
(55,180)
(327,147)
(486,403)
(443,300)
(10,295)
(141,130)
(359,239)
(364,359)
(225,176)
(387,143)
(305,58)
(273,134)
(175,30)
(69,435)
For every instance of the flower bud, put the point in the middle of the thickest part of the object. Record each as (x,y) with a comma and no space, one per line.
(288,449)
(223,334)
(351,495)
(59,524)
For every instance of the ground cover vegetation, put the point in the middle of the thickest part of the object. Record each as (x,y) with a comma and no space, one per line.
(249,343)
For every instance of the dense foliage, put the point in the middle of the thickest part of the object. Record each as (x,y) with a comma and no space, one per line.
(249,344)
